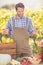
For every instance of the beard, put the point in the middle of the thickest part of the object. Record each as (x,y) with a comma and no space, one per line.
(20,16)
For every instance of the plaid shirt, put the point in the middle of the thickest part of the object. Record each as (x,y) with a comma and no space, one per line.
(21,23)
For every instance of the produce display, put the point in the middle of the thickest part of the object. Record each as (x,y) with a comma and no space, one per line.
(5,39)
(14,62)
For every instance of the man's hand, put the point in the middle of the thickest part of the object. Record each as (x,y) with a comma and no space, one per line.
(5,31)
(35,32)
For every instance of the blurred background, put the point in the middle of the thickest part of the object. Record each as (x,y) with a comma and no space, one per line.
(31,4)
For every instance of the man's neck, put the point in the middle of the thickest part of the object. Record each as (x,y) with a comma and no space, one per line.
(18,17)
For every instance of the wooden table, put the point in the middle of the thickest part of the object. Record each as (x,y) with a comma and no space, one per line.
(8,48)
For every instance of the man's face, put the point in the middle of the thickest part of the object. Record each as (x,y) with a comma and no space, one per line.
(20,12)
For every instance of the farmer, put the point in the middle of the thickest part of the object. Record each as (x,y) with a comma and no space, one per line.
(20,28)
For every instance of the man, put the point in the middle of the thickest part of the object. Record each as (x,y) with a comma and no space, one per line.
(18,27)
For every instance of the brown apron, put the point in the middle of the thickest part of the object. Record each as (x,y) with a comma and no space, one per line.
(21,36)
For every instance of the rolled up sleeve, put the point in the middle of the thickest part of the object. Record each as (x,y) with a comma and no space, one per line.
(9,26)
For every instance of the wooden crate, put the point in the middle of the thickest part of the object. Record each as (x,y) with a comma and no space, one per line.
(8,48)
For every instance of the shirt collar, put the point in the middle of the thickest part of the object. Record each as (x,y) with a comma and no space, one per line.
(19,18)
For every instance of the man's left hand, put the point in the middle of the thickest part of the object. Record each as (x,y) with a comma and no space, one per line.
(35,32)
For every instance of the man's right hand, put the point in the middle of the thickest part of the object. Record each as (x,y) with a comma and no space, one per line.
(5,31)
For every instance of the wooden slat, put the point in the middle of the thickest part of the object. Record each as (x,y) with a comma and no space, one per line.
(8,51)
(9,45)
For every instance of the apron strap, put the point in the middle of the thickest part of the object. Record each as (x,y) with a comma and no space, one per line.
(13,23)
(26,27)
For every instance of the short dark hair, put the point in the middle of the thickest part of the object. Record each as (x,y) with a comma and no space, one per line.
(19,5)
